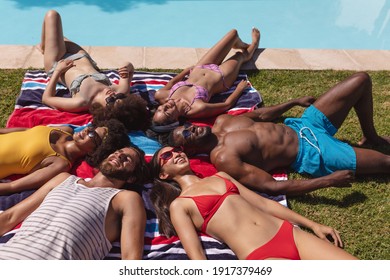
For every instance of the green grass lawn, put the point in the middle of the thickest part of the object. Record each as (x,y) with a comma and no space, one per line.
(362,212)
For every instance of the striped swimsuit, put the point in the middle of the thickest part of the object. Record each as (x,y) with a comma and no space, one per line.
(69,224)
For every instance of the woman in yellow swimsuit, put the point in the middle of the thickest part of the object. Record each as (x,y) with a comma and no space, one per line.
(211,75)
(42,152)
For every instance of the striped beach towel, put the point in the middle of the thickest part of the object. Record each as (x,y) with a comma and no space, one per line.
(29,111)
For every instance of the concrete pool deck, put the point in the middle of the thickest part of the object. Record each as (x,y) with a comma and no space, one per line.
(18,56)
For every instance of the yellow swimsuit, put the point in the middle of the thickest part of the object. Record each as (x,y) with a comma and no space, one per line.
(21,151)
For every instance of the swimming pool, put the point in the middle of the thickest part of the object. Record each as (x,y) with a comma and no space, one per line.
(317,24)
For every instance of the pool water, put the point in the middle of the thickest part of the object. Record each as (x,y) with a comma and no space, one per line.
(313,24)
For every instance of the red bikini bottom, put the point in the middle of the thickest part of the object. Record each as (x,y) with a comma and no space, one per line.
(281,246)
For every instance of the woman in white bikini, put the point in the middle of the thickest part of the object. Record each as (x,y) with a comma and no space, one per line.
(68,63)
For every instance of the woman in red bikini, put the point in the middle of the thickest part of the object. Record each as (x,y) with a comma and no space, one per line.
(252,226)
(210,76)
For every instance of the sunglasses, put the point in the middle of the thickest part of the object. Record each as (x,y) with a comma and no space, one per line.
(91,133)
(186,133)
(112,98)
(165,156)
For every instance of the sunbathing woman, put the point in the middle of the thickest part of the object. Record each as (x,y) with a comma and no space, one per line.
(210,76)
(42,152)
(67,63)
(222,208)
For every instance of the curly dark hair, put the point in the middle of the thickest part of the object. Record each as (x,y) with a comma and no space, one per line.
(133,112)
(115,139)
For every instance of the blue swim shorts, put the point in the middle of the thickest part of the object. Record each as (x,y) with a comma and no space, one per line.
(319,152)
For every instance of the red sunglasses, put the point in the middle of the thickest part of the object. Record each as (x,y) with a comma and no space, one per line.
(165,156)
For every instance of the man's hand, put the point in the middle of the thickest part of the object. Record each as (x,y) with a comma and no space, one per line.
(342,178)
(305,101)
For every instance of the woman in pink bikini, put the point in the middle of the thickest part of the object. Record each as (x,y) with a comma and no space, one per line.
(253,227)
(211,75)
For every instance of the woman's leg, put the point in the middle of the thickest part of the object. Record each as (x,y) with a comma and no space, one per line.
(231,67)
(52,39)
(311,247)
(221,49)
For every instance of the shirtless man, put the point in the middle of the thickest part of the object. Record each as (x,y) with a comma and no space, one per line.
(68,63)
(249,150)
(81,218)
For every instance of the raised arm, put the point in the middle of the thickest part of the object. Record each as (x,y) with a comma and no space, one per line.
(186,231)
(16,214)
(260,180)
(125,76)
(206,110)
(277,210)
(270,113)
(132,210)
(52,167)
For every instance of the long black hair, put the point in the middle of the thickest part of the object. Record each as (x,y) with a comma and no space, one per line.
(161,196)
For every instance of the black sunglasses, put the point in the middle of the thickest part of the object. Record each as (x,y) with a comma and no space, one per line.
(186,133)
(94,135)
(112,98)
(165,156)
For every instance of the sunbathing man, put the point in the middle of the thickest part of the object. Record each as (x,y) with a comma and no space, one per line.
(70,218)
(249,150)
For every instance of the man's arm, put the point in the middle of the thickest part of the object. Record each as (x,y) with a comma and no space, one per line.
(277,210)
(133,224)
(16,214)
(270,113)
(260,180)
(37,178)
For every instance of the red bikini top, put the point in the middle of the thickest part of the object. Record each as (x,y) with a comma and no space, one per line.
(209,204)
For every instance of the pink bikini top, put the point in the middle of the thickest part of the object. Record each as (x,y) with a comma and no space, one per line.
(201,92)
(208,205)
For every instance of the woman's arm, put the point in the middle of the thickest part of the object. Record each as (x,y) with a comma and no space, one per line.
(75,104)
(277,210)
(12,129)
(206,110)
(163,93)
(16,214)
(186,231)
(133,223)
(125,76)
(34,180)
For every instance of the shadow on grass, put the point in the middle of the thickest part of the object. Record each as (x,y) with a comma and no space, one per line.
(348,200)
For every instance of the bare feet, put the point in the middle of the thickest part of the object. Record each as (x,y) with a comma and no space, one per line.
(379,141)
(255,37)
(239,44)
(249,52)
